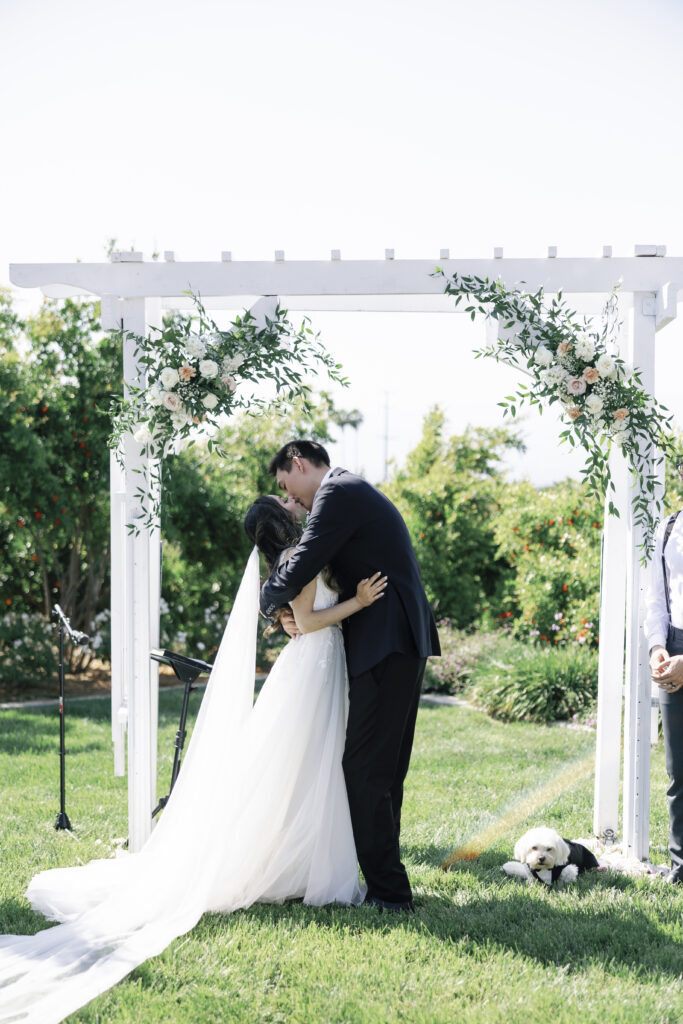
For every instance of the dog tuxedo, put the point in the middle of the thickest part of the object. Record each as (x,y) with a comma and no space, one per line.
(579,856)
(543,855)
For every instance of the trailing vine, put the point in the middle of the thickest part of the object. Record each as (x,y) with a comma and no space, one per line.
(577,367)
(192,379)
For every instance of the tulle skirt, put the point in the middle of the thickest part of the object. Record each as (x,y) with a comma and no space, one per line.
(259,813)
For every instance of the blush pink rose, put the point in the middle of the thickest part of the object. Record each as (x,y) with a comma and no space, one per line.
(564,347)
(576,385)
(590,375)
(573,412)
(620,414)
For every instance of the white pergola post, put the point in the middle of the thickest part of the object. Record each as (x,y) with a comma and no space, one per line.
(641,353)
(136,577)
(119,688)
(611,655)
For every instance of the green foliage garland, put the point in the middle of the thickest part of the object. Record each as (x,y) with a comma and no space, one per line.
(192,378)
(571,364)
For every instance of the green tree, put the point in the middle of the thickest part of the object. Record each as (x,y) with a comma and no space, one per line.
(449,492)
(205,499)
(57,373)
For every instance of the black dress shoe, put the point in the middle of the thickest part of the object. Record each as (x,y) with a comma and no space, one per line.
(673,878)
(391,908)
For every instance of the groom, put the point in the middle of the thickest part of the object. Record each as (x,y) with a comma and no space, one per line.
(356,530)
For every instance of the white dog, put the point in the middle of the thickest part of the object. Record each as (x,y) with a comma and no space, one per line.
(543,855)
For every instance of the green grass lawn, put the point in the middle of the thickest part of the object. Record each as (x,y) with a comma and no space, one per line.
(481,947)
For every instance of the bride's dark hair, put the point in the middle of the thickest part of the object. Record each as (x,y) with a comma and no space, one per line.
(270,527)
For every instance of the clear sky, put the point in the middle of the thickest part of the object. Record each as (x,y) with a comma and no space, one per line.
(310,125)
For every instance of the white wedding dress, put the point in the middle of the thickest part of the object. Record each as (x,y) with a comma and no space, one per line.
(259,813)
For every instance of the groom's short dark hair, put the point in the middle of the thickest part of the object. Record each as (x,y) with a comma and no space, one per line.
(311,450)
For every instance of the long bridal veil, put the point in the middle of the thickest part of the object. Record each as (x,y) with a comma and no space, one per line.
(117,913)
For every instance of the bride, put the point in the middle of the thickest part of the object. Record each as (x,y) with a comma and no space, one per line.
(259,811)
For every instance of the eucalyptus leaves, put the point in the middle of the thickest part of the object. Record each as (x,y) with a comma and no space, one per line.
(576,366)
(192,374)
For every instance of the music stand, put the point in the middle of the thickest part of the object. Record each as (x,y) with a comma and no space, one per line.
(78,640)
(186,670)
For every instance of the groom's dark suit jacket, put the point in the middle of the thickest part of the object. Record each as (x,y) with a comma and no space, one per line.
(356,530)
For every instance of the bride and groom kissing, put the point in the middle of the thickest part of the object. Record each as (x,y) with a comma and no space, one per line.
(278,799)
(356,531)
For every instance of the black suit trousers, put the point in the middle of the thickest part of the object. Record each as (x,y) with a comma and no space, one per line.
(671,707)
(383,705)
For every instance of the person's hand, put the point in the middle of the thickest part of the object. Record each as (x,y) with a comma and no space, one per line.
(370,589)
(669,674)
(288,623)
(657,656)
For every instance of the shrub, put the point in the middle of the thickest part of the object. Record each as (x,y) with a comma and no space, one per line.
(450,673)
(28,655)
(518,682)
(551,539)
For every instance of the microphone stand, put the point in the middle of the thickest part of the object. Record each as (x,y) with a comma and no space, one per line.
(186,670)
(79,640)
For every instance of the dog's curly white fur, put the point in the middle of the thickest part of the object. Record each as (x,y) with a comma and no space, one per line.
(541,850)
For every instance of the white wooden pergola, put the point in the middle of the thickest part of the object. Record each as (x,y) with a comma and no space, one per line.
(133,294)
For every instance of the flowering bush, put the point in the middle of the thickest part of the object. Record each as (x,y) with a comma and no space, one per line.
(577,367)
(28,655)
(451,672)
(550,538)
(518,682)
(192,378)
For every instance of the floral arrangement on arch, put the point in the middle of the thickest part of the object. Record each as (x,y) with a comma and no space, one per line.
(193,373)
(578,367)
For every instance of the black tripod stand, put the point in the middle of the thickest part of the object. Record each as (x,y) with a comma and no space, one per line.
(78,640)
(186,670)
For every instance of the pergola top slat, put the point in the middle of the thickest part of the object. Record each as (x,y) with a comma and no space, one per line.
(347,277)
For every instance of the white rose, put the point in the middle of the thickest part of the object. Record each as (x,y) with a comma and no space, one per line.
(171,401)
(618,438)
(180,419)
(169,377)
(543,356)
(208,369)
(210,401)
(143,435)
(594,404)
(619,426)
(584,347)
(153,396)
(605,366)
